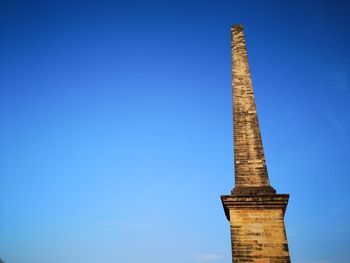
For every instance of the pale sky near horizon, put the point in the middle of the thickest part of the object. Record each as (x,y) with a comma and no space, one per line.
(116,127)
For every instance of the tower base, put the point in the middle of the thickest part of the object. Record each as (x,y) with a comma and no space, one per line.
(257,227)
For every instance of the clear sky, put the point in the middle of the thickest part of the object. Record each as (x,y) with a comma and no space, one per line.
(116,127)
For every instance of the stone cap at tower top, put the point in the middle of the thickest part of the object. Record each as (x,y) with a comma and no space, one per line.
(240,26)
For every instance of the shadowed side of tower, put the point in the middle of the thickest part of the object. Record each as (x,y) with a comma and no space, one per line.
(255,211)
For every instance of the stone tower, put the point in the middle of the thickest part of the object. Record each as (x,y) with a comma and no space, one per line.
(255,211)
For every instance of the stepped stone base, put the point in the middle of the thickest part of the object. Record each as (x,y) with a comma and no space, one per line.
(257,227)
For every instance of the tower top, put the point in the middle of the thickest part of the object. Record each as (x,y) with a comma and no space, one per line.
(237,26)
(249,159)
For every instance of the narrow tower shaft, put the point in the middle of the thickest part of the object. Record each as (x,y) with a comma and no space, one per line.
(250,165)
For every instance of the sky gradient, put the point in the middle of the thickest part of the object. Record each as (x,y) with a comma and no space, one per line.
(116,127)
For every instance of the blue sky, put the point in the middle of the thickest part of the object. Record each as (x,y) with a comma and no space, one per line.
(116,127)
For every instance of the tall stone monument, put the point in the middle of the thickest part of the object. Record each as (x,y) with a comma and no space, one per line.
(255,211)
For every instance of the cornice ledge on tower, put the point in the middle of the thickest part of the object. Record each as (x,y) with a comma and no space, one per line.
(272,201)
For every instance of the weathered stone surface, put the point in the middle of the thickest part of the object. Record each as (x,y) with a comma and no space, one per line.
(258,235)
(255,211)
